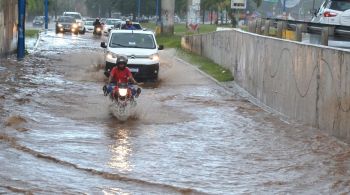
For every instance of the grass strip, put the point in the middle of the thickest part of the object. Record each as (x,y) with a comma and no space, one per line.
(31,33)
(218,72)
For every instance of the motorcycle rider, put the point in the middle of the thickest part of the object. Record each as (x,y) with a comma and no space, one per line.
(121,74)
(96,24)
(129,26)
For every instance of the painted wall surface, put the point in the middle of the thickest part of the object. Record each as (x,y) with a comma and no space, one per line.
(307,83)
(8,26)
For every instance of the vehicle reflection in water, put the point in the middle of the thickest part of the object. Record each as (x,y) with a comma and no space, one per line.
(121,152)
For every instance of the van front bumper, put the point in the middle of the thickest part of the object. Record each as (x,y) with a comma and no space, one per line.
(139,71)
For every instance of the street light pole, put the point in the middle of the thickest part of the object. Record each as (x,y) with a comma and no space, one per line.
(284,6)
(21,29)
(46,14)
(138,9)
(157,8)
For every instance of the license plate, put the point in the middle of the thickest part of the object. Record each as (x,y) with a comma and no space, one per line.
(134,69)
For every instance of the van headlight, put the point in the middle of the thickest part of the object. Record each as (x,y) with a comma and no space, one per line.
(154,57)
(111,55)
(60,25)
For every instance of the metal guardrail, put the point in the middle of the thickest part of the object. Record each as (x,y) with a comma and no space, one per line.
(262,26)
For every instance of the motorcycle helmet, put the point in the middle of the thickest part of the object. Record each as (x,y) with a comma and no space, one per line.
(122,61)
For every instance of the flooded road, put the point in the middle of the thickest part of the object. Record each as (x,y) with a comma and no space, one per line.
(187,136)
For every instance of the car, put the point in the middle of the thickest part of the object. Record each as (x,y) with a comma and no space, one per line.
(39,21)
(335,12)
(141,49)
(67,24)
(89,19)
(79,20)
(89,26)
(109,24)
(122,25)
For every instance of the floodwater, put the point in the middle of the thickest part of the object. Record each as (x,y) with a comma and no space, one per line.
(188,135)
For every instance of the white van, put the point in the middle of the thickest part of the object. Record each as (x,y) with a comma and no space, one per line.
(141,49)
(335,12)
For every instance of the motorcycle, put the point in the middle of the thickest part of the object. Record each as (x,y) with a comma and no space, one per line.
(97,30)
(123,97)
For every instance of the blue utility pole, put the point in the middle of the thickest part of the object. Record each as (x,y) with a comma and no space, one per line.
(46,14)
(284,6)
(138,9)
(21,29)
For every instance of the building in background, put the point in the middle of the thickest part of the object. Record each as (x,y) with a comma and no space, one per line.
(8,26)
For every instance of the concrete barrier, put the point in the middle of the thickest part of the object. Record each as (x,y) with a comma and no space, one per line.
(307,83)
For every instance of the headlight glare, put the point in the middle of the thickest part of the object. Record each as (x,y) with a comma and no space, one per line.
(123,92)
(154,57)
(111,55)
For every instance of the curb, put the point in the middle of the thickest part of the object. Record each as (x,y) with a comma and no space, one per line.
(37,41)
(202,72)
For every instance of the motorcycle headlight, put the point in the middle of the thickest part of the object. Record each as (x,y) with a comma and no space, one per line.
(79,24)
(154,57)
(98,29)
(59,25)
(74,25)
(123,92)
(112,55)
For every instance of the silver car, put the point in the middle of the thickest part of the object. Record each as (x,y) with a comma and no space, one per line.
(335,12)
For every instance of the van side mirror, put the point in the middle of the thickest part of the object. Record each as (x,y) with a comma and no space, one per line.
(161,47)
(103,45)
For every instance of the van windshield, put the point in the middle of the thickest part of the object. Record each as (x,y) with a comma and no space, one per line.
(66,19)
(132,40)
(112,22)
(76,16)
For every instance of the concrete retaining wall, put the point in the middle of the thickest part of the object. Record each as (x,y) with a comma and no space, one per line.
(8,26)
(307,83)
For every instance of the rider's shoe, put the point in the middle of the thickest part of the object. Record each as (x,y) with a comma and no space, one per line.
(105,90)
(138,91)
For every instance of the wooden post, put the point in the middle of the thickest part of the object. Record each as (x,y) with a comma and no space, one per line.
(300,28)
(267,27)
(280,29)
(252,26)
(324,36)
(258,27)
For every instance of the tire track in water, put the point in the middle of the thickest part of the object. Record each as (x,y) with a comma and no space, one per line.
(110,176)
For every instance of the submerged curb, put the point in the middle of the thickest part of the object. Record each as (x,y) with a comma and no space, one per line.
(37,40)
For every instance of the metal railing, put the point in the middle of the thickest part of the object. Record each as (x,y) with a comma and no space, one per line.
(262,26)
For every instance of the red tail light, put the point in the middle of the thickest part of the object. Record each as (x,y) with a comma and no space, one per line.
(329,14)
